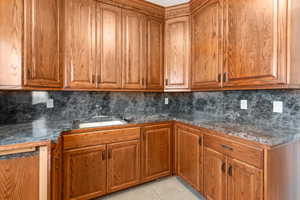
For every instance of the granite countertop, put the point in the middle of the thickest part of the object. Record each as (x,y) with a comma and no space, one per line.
(44,129)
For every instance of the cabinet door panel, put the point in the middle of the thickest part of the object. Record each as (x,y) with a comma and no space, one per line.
(155,53)
(123,165)
(244,181)
(177,53)
(255,42)
(19,178)
(42,49)
(214,175)
(11,32)
(109,38)
(85,173)
(207,52)
(134,50)
(156,152)
(189,157)
(80,43)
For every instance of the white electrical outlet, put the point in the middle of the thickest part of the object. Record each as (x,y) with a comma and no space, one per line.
(50,103)
(278,107)
(244,104)
(166,101)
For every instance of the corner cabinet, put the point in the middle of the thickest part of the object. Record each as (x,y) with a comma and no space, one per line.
(177,53)
(30,51)
(189,157)
(207,45)
(156,151)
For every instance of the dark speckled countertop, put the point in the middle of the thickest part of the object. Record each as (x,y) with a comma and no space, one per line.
(43,129)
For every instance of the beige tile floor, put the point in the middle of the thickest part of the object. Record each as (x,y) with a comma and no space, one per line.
(171,188)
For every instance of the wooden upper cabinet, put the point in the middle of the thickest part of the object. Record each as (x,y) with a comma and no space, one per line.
(11,33)
(29,48)
(215,169)
(42,43)
(155,54)
(244,181)
(79,44)
(177,53)
(156,152)
(189,156)
(109,46)
(123,165)
(84,173)
(255,42)
(134,50)
(207,40)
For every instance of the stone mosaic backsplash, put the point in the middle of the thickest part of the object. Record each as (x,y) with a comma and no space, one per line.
(17,107)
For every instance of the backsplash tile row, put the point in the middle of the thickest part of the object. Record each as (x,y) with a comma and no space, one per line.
(18,107)
(25,106)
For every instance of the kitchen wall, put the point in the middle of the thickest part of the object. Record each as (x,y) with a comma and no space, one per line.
(260,106)
(26,106)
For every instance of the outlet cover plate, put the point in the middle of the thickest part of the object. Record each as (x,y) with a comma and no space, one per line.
(244,104)
(278,107)
(166,101)
(50,103)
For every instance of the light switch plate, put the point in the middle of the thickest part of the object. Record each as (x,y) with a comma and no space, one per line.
(50,103)
(166,101)
(278,106)
(244,104)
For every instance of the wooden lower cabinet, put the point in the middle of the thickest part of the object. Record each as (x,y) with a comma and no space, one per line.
(226,178)
(189,156)
(156,151)
(214,175)
(85,172)
(19,178)
(245,182)
(123,165)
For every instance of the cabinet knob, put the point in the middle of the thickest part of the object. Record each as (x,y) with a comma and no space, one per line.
(103,155)
(109,154)
(29,73)
(225,77)
(230,171)
(167,82)
(223,168)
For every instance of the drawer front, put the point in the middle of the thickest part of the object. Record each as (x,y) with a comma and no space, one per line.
(100,137)
(248,154)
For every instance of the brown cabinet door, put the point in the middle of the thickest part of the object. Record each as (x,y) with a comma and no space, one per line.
(155,55)
(19,178)
(189,156)
(207,52)
(11,34)
(79,43)
(109,44)
(215,169)
(85,173)
(134,50)
(245,182)
(255,42)
(156,152)
(177,53)
(42,65)
(123,165)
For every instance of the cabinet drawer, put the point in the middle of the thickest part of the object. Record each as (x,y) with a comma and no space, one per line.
(248,154)
(100,137)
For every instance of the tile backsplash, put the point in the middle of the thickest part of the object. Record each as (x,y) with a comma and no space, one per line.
(25,106)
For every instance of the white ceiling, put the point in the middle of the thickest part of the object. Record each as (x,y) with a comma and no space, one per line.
(167,3)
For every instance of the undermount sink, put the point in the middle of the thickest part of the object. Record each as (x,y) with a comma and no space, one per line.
(100,124)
